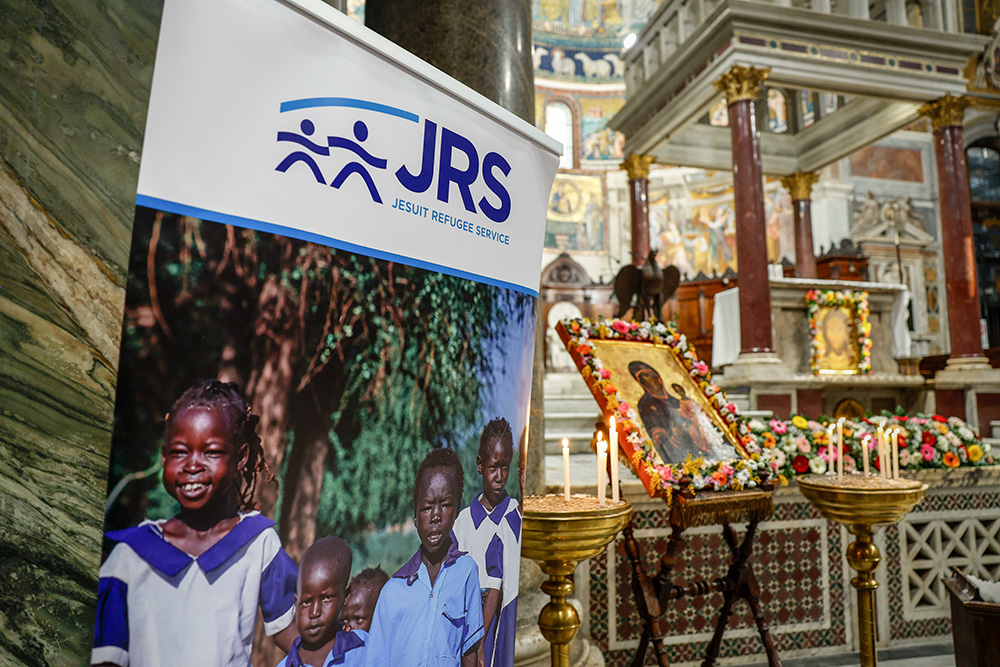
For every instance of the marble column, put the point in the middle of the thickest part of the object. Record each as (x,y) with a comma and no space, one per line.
(742,88)
(484,44)
(799,185)
(637,167)
(957,244)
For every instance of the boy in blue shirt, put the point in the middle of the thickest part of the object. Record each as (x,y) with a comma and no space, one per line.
(319,598)
(361,598)
(430,611)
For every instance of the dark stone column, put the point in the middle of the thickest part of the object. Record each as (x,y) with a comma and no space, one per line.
(742,87)
(637,167)
(956,225)
(799,185)
(485,44)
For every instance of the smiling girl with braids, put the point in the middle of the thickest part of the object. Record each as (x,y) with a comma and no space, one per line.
(185,591)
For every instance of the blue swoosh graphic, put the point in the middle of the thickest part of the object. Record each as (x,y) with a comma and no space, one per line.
(350,102)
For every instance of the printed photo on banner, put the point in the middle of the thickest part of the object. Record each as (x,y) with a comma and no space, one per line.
(347,425)
(673,411)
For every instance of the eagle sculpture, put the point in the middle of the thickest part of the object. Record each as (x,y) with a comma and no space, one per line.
(650,286)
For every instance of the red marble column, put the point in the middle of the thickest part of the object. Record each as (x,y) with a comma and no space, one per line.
(742,87)
(799,185)
(637,167)
(964,313)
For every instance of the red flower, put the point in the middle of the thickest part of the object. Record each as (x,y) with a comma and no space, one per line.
(928,438)
(939,418)
(877,462)
(800,464)
(902,418)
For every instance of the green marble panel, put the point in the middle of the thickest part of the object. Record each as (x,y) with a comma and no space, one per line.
(74,85)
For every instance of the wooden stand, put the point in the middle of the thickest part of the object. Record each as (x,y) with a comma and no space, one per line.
(653,593)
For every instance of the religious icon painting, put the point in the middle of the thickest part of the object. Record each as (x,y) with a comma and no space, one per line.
(671,420)
(839,332)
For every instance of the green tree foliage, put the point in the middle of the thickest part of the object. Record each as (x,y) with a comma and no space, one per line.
(361,366)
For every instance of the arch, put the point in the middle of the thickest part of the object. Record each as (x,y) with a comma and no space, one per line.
(556,357)
(560,124)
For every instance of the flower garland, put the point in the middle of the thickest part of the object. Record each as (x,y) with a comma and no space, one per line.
(801,446)
(663,479)
(815,299)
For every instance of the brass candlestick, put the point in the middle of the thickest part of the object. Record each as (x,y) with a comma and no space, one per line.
(558,534)
(863,505)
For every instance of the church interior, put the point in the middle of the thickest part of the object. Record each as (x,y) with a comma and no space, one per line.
(802,164)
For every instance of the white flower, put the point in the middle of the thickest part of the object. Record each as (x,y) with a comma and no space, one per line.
(986,447)
(743,476)
(710,390)
(778,456)
(788,446)
(817,465)
(753,448)
(757,425)
(966,434)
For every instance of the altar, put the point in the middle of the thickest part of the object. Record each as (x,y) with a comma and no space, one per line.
(795,387)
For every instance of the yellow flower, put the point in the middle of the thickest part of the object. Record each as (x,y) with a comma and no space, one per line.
(800,422)
(975,453)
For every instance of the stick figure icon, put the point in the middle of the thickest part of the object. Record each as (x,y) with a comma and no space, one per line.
(361,134)
(307,128)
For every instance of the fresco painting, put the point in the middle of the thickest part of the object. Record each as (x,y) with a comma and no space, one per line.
(576,219)
(693,225)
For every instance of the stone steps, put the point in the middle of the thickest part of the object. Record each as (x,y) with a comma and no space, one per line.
(570,412)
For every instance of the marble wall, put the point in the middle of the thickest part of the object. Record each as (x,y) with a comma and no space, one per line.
(74,85)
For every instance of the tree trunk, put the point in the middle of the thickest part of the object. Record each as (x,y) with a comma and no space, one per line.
(272,379)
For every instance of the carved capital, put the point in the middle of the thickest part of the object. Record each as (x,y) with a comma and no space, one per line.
(742,82)
(637,166)
(947,111)
(800,184)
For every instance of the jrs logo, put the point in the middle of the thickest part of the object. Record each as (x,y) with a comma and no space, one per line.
(446,157)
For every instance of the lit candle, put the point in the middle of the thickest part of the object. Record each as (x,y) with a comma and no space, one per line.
(880,446)
(602,465)
(840,449)
(830,448)
(865,451)
(565,445)
(613,453)
(894,443)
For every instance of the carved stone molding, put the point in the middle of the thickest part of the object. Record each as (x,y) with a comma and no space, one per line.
(742,82)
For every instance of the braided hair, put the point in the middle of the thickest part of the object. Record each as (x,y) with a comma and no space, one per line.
(243,423)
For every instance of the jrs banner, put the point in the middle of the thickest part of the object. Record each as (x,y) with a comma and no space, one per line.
(326,354)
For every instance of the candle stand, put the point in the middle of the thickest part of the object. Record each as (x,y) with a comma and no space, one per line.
(863,505)
(558,534)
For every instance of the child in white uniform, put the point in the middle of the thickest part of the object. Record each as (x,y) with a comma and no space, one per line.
(489,530)
(185,591)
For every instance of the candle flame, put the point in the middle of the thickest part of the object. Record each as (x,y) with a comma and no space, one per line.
(565,444)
